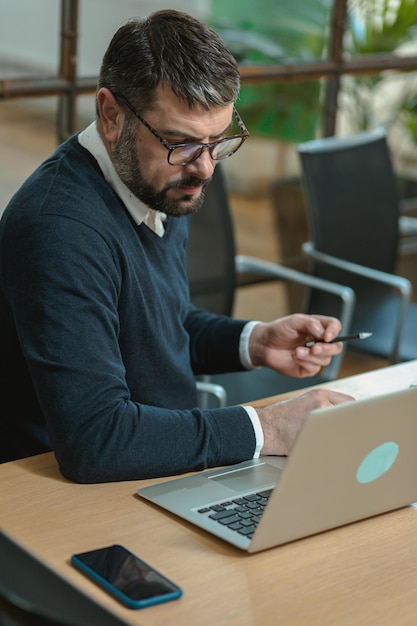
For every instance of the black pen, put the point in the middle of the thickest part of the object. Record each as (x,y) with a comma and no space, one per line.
(309,344)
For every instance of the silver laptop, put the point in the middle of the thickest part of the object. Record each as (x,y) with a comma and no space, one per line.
(349,462)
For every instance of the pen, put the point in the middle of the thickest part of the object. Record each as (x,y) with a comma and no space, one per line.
(340,338)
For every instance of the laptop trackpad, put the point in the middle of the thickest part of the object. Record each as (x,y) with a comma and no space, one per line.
(248,479)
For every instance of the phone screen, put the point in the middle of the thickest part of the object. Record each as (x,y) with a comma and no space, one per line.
(126,576)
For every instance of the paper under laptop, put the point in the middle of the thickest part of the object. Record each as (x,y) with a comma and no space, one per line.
(349,462)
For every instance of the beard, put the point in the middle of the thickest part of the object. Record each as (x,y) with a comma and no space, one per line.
(126,162)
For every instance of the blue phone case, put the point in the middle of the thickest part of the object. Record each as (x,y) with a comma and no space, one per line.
(131,603)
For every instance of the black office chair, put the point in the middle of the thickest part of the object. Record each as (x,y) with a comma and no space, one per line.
(354,220)
(33,595)
(215,272)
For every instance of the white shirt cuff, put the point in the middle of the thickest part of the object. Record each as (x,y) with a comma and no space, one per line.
(244,345)
(259,435)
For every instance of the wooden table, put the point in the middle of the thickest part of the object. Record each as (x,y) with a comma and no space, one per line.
(364,573)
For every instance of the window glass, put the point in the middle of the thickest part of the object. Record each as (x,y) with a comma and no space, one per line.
(269,32)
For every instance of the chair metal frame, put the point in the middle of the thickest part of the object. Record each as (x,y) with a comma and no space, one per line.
(205,389)
(246,264)
(403,285)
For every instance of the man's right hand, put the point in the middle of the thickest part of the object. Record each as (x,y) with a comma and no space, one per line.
(282,421)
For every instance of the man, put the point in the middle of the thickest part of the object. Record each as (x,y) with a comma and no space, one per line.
(97,332)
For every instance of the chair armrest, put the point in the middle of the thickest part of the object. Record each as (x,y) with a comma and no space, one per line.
(401,284)
(219,392)
(245,263)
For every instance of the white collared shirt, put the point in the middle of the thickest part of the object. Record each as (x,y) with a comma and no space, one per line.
(90,139)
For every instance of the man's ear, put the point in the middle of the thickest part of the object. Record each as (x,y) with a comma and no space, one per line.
(111,115)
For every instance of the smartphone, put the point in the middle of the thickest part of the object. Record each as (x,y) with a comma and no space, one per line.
(125,576)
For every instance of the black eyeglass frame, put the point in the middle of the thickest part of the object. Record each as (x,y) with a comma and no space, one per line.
(203,146)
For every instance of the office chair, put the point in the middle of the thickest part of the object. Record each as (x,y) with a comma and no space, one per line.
(354,216)
(33,595)
(215,272)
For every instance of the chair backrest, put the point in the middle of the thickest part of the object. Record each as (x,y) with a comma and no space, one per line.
(31,594)
(352,198)
(353,211)
(211,250)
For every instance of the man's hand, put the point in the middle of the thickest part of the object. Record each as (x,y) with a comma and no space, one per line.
(281,344)
(282,421)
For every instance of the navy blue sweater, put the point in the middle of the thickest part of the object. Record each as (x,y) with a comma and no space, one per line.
(99,342)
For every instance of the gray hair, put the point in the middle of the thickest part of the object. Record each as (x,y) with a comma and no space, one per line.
(175,49)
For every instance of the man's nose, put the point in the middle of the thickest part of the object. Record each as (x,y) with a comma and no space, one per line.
(203,167)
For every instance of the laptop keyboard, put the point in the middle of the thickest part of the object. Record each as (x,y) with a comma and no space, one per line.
(240,514)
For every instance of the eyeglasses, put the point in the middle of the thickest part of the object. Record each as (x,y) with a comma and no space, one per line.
(185,153)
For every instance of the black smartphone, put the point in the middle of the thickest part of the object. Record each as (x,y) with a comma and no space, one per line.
(124,575)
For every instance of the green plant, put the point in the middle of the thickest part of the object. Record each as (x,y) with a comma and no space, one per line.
(408,112)
(265,32)
(379,26)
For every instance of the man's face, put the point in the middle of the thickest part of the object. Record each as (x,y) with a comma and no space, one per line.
(140,158)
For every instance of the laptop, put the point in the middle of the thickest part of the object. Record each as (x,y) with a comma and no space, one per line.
(349,462)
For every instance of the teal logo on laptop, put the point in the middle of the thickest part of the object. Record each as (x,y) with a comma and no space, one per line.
(377,462)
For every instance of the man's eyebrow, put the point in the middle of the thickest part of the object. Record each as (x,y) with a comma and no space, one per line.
(191,138)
